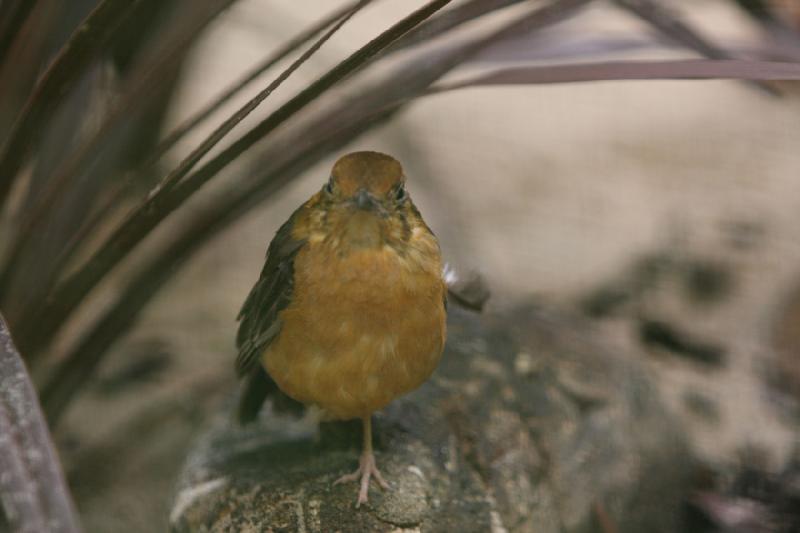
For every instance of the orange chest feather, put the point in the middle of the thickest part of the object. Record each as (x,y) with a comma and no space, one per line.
(362,328)
(378,285)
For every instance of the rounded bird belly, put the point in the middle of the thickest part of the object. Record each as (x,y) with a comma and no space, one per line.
(350,369)
(350,348)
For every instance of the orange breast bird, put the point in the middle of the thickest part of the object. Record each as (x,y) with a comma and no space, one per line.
(349,311)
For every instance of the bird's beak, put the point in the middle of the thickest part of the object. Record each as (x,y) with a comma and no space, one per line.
(364,200)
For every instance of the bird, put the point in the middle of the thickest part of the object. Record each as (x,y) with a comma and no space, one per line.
(349,311)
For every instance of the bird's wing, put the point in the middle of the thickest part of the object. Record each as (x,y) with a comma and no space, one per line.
(258,320)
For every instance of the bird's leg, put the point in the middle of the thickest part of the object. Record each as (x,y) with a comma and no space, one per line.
(366,466)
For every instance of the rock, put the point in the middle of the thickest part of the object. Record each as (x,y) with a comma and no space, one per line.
(529,424)
(784,369)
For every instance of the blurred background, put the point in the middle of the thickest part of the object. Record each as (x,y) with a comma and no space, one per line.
(665,211)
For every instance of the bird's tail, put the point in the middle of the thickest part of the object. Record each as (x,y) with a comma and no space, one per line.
(257,387)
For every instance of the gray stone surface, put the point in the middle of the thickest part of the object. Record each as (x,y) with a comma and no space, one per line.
(529,424)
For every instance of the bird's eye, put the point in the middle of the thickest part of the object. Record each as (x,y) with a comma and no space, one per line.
(400,195)
(329,187)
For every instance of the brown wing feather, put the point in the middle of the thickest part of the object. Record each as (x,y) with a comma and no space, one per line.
(258,319)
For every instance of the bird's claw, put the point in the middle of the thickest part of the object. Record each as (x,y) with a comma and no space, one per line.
(366,469)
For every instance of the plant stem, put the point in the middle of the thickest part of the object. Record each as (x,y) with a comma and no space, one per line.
(32,488)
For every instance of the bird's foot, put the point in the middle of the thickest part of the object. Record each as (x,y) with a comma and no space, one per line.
(366,469)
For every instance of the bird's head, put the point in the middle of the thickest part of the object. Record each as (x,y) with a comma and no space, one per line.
(365,204)
(367,181)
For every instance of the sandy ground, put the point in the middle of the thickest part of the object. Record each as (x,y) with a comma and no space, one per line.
(551,192)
